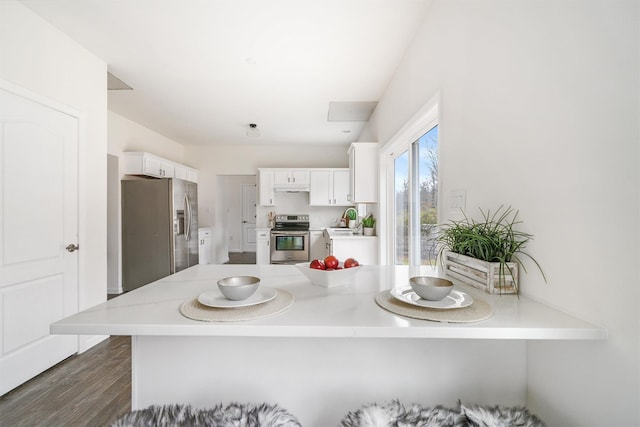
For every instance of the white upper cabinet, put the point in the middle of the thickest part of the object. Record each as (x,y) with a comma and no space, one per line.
(266,192)
(137,163)
(186,173)
(156,166)
(320,191)
(363,171)
(291,178)
(192,175)
(329,187)
(341,187)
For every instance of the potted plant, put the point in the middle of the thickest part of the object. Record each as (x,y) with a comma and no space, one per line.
(487,253)
(368,223)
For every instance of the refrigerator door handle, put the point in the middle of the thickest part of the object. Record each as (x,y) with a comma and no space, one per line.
(187,206)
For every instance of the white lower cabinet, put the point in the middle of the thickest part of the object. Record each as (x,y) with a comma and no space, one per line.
(263,255)
(363,249)
(204,245)
(318,247)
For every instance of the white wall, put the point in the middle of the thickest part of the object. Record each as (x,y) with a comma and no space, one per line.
(126,135)
(36,56)
(540,111)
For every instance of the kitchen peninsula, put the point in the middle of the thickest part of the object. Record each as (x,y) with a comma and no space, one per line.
(331,351)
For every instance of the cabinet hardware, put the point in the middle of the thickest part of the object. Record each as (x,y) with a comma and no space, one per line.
(72,247)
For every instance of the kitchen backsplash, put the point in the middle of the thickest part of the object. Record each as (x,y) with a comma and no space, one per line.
(298,203)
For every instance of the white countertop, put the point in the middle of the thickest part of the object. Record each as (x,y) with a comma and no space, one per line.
(345,233)
(344,311)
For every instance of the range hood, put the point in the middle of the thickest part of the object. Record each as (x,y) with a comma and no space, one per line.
(292,188)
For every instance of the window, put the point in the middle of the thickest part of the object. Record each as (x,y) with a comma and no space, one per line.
(401,211)
(415,173)
(427,188)
(409,208)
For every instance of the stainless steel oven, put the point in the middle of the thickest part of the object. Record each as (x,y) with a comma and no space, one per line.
(290,239)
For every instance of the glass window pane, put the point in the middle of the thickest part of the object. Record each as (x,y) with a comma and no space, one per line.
(401,190)
(427,174)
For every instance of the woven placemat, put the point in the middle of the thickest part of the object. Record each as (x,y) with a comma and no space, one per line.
(479,310)
(196,311)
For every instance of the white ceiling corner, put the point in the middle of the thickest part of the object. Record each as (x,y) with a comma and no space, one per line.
(114,83)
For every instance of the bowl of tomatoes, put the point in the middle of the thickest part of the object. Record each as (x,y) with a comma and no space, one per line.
(330,271)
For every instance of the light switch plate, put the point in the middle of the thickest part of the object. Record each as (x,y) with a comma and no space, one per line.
(457,199)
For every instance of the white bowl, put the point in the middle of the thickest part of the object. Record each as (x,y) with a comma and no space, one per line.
(237,288)
(330,278)
(431,288)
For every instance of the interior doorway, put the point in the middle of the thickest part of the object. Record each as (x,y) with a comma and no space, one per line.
(236,201)
(249,216)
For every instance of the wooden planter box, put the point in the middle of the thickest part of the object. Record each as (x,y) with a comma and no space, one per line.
(481,274)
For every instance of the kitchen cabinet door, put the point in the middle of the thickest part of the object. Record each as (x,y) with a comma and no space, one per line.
(204,245)
(300,176)
(192,175)
(156,166)
(320,187)
(364,249)
(291,177)
(263,255)
(139,163)
(180,172)
(267,194)
(281,176)
(329,187)
(317,245)
(341,187)
(363,172)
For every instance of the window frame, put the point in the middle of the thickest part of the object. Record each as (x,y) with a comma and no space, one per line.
(422,122)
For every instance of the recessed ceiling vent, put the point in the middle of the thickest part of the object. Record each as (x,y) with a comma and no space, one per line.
(114,83)
(350,111)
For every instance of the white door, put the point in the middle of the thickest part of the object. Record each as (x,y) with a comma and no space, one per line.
(38,220)
(248,218)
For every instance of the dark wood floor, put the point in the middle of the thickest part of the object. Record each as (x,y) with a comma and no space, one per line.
(242,258)
(89,389)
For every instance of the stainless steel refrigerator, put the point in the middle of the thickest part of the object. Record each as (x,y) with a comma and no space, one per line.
(159,229)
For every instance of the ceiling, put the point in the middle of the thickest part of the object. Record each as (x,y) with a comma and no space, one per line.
(203,70)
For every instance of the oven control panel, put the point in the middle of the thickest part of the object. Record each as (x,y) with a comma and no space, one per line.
(292,218)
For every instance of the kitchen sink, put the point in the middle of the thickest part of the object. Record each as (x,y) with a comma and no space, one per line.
(341,231)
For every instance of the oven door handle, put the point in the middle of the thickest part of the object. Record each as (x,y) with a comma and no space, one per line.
(289,233)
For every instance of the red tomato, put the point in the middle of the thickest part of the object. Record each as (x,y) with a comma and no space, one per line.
(317,264)
(331,269)
(350,262)
(331,261)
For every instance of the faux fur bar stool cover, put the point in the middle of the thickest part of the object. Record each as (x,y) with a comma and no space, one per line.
(394,414)
(232,415)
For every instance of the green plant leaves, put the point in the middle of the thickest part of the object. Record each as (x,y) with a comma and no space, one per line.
(493,239)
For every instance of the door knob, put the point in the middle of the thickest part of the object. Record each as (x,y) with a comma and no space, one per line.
(72,247)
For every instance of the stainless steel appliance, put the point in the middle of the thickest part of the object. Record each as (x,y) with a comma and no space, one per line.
(290,239)
(159,229)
